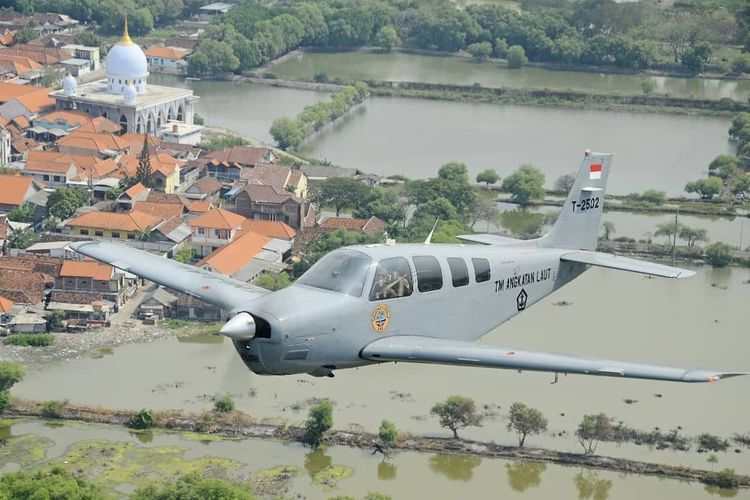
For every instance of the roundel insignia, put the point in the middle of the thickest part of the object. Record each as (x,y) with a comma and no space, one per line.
(380,318)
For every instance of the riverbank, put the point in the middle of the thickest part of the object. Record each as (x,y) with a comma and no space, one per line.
(237,424)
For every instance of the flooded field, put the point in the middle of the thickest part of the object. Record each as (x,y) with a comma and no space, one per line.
(135,459)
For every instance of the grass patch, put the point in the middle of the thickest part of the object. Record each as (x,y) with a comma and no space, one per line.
(329,477)
(54,408)
(30,340)
(25,450)
(100,352)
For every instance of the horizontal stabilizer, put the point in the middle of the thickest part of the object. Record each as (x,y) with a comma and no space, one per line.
(414,349)
(213,288)
(626,264)
(488,239)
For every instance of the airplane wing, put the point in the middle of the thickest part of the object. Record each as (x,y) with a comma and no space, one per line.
(213,288)
(488,239)
(625,264)
(417,349)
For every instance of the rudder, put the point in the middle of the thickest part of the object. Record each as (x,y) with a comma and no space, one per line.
(577,225)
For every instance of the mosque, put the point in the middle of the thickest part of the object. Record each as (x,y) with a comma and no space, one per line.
(125,97)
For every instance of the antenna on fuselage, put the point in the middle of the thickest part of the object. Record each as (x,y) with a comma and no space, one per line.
(429,236)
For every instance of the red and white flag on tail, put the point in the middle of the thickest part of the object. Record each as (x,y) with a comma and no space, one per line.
(595,171)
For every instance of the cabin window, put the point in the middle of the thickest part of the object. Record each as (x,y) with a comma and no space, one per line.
(481,269)
(429,273)
(459,271)
(342,271)
(392,279)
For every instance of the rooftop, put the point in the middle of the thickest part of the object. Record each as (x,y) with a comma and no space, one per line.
(5,304)
(246,155)
(218,218)
(271,228)
(232,257)
(13,189)
(118,221)
(165,52)
(86,269)
(96,92)
(94,141)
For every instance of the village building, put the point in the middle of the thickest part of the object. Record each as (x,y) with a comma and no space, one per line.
(84,282)
(264,202)
(205,188)
(125,96)
(227,163)
(27,279)
(372,226)
(210,11)
(165,170)
(82,59)
(93,143)
(158,304)
(214,229)
(56,169)
(6,310)
(16,190)
(115,225)
(23,100)
(166,59)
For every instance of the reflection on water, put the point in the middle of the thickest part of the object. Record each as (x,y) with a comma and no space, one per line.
(721,492)
(525,475)
(590,486)
(204,338)
(145,436)
(386,471)
(455,467)
(524,223)
(316,461)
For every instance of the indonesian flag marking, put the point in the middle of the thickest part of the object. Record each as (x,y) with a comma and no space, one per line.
(595,171)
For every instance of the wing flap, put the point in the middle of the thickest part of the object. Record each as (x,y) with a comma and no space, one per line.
(213,288)
(417,349)
(626,264)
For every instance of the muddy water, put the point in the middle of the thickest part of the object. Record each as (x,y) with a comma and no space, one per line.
(405,475)
(700,321)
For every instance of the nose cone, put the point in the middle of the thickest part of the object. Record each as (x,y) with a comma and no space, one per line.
(241,327)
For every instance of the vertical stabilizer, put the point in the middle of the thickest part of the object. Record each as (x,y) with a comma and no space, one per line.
(577,226)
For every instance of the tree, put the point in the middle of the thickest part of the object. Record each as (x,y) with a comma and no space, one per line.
(63,202)
(212,57)
(724,166)
(668,229)
(223,404)
(185,254)
(20,238)
(592,429)
(483,209)
(648,85)
(501,48)
(286,132)
(273,281)
(488,176)
(706,188)
(741,63)
(50,77)
(192,486)
(387,38)
(87,38)
(143,172)
(454,172)
(326,242)
(113,193)
(719,254)
(480,51)
(516,57)
(381,203)
(655,196)
(27,34)
(741,186)
(524,184)
(47,483)
(697,57)
(692,235)
(340,193)
(564,183)
(319,420)
(23,213)
(388,433)
(525,421)
(609,229)
(50,223)
(457,412)
(10,374)
(55,320)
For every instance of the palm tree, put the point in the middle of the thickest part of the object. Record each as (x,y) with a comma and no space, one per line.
(20,238)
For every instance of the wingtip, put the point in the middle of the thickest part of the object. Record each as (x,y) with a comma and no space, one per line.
(709,376)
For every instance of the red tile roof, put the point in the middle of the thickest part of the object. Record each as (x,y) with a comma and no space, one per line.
(134,190)
(116,221)
(100,124)
(271,228)
(96,142)
(201,206)
(218,218)
(165,52)
(244,155)
(13,189)
(344,223)
(86,269)
(232,257)
(5,305)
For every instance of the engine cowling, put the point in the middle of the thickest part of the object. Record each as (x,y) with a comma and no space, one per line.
(240,327)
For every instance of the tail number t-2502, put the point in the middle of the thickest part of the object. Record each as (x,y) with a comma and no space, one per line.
(585,204)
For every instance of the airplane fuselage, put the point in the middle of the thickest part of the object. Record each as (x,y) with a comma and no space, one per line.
(300,329)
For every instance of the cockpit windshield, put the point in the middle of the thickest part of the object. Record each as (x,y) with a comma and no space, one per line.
(342,271)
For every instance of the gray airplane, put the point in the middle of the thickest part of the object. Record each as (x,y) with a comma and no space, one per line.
(420,303)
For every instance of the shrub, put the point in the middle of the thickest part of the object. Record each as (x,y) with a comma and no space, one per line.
(193,486)
(712,443)
(30,340)
(4,400)
(718,254)
(388,433)
(144,419)
(516,57)
(727,478)
(319,420)
(47,483)
(53,408)
(223,404)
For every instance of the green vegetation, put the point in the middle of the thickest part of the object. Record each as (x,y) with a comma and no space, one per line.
(525,421)
(223,404)
(24,213)
(719,254)
(144,419)
(175,323)
(339,193)
(53,483)
(457,412)
(326,242)
(489,176)
(29,340)
(480,51)
(289,133)
(706,188)
(727,478)
(388,433)
(273,281)
(650,196)
(54,408)
(20,238)
(186,254)
(63,202)
(525,184)
(55,320)
(381,203)
(592,429)
(516,57)
(319,421)
(193,486)
(712,443)
(219,142)
(10,374)
(387,38)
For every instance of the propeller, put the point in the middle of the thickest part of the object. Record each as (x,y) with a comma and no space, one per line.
(240,327)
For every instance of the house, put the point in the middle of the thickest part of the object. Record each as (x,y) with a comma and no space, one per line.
(210,11)
(169,59)
(270,228)
(26,103)
(205,188)
(83,53)
(200,207)
(18,65)
(266,203)
(165,170)
(181,133)
(279,177)
(57,169)
(7,37)
(46,56)
(92,143)
(160,304)
(194,309)
(100,125)
(28,322)
(6,305)
(117,225)
(136,192)
(214,229)
(372,226)
(24,284)
(236,259)
(227,163)
(85,281)
(66,121)
(58,249)
(15,190)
